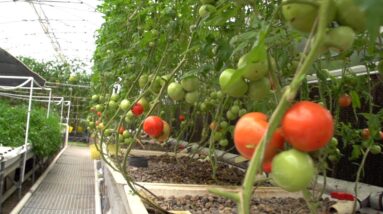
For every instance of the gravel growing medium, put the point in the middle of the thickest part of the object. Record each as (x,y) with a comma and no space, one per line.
(208,204)
(186,170)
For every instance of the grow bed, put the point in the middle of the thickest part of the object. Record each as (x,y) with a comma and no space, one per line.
(204,204)
(185,170)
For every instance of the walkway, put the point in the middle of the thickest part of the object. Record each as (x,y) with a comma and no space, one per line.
(68,188)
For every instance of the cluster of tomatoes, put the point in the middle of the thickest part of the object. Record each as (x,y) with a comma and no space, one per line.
(349,18)
(306,127)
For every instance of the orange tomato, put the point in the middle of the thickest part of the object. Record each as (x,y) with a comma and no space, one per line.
(344,100)
(248,133)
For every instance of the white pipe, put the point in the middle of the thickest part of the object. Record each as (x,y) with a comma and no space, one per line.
(67,120)
(49,103)
(26,197)
(97,189)
(61,112)
(27,130)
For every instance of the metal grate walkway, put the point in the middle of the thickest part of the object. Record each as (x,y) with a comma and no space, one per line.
(68,188)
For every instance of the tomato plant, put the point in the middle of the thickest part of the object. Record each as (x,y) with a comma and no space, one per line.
(307,126)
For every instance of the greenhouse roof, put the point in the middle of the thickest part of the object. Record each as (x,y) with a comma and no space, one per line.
(10,66)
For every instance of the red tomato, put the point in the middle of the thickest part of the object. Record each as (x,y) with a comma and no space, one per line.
(181,117)
(99,114)
(307,126)
(153,126)
(137,109)
(248,132)
(365,133)
(121,130)
(344,100)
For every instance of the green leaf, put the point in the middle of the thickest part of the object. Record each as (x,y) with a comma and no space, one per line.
(355,99)
(356,152)
(373,10)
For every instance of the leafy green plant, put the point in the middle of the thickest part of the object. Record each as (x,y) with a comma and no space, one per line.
(44,133)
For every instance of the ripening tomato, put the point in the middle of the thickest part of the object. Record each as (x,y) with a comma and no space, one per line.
(381,135)
(365,134)
(248,133)
(307,126)
(344,100)
(121,130)
(137,109)
(99,114)
(181,117)
(165,133)
(153,126)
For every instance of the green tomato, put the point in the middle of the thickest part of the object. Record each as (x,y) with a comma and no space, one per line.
(112,104)
(334,142)
(242,112)
(95,98)
(175,91)
(236,88)
(192,97)
(235,109)
(190,83)
(99,107)
(92,124)
(218,136)
(114,97)
(350,14)
(203,107)
(125,134)
(223,142)
(340,38)
(375,149)
(219,94)
(108,132)
(254,69)
(206,9)
(260,89)
(156,85)
(124,104)
(292,170)
(230,115)
(143,80)
(223,124)
(333,158)
(300,16)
